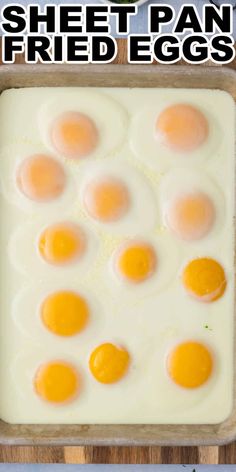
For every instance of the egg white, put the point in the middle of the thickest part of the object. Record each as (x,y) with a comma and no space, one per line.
(148,319)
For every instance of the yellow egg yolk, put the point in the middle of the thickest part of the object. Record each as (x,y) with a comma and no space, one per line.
(182,127)
(136,262)
(61,243)
(204,279)
(74,135)
(106,199)
(190,364)
(56,382)
(109,363)
(191,216)
(65,313)
(41,178)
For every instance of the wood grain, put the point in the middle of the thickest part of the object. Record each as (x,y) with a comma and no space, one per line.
(121,455)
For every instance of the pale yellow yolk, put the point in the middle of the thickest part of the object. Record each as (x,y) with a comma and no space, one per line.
(182,127)
(106,200)
(74,135)
(109,363)
(65,313)
(56,382)
(204,278)
(41,178)
(190,364)
(136,262)
(62,243)
(191,216)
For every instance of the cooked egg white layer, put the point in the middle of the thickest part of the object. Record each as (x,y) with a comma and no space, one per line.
(148,320)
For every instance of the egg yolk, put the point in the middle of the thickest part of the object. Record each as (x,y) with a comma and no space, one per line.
(65,313)
(190,364)
(109,363)
(182,127)
(61,243)
(106,200)
(204,278)
(136,262)
(56,382)
(191,216)
(74,135)
(41,178)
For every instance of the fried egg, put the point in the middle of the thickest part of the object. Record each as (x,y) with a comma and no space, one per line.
(106,199)
(182,127)
(82,124)
(138,267)
(116,197)
(62,243)
(36,180)
(41,178)
(55,248)
(42,380)
(192,205)
(58,312)
(165,134)
(74,135)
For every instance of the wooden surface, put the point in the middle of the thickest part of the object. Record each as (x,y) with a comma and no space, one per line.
(121,455)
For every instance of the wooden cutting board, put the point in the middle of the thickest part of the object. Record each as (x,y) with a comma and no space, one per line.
(121,455)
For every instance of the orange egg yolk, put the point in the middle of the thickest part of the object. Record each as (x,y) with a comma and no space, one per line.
(61,243)
(74,135)
(190,364)
(41,178)
(191,216)
(109,363)
(56,382)
(136,262)
(204,278)
(182,127)
(106,200)
(65,313)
